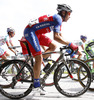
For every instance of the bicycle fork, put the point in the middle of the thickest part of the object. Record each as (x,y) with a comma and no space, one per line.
(61,58)
(69,72)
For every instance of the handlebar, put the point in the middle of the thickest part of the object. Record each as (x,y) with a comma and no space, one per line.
(83,52)
(67,47)
(16,51)
(14,47)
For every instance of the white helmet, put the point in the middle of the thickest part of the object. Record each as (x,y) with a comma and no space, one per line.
(63,7)
(10,30)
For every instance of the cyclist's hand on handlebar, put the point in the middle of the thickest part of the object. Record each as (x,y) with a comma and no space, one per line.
(73,47)
(16,52)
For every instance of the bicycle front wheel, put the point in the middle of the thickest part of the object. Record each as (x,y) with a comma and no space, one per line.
(14,69)
(20,85)
(68,86)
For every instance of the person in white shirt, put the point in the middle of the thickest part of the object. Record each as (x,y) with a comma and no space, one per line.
(6,40)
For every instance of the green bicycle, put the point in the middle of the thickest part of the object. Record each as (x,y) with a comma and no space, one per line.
(89,60)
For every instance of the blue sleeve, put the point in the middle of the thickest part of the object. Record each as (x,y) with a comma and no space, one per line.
(57,23)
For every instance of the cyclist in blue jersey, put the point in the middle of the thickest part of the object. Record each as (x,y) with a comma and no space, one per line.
(34,34)
(79,43)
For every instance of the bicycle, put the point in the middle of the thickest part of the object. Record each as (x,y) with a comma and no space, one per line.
(19,83)
(90,62)
(44,63)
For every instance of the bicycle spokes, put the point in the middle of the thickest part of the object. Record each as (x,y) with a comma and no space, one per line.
(17,83)
(70,85)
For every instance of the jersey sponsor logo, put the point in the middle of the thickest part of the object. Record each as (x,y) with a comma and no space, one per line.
(42,25)
(35,41)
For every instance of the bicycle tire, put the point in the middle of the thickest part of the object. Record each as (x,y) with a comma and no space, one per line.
(72,85)
(7,86)
(88,62)
(20,85)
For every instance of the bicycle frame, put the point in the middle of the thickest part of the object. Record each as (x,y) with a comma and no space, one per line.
(42,80)
(61,57)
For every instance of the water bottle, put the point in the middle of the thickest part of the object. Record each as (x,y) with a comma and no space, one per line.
(45,69)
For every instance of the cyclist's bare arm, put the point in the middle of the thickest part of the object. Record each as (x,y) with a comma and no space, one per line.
(58,37)
(43,47)
(11,43)
(82,47)
(10,48)
(14,47)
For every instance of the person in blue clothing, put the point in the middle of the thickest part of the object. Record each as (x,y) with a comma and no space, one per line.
(34,34)
(79,43)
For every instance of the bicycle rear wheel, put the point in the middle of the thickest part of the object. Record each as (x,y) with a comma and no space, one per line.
(19,86)
(68,86)
(90,63)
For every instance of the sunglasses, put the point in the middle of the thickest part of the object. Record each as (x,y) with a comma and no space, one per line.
(69,13)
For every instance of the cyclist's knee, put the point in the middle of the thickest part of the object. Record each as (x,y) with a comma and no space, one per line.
(52,46)
(4,57)
(7,54)
(38,58)
(80,54)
